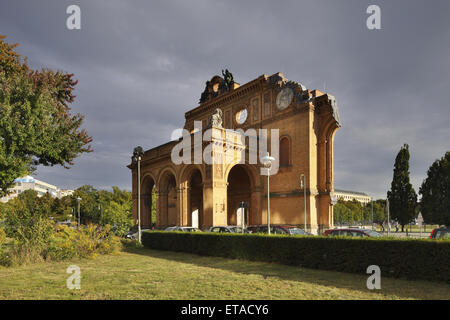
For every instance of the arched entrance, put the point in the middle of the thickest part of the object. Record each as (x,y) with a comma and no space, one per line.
(195,205)
(239,190)
(148,203)
(168,199)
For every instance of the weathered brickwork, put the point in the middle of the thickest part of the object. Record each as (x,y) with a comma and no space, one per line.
(307,118)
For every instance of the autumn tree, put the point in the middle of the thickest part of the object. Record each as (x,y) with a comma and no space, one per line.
(402,197)
(435,192)
(36,124)
(90,210)
(379,209)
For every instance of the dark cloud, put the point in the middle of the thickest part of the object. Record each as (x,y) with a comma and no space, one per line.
(142,64)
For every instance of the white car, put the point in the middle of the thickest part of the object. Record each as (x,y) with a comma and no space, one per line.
(135,235)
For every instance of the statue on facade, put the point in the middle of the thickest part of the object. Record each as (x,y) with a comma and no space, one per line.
(217,85)
(205,93)
(228,79)
(216,119)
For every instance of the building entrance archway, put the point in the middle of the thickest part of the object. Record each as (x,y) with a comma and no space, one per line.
(147,205)
(195,205)
(239,190)
(168,199)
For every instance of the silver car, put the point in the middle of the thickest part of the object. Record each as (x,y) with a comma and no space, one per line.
(183,229)
(227,229)
(134,235)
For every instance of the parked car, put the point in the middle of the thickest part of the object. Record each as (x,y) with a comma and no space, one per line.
(184,229)
(64,223)
(278,229)
(352,232)
(134,234)
(440,233)
(227,229)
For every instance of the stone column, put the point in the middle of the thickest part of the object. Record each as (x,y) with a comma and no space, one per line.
(163,209)
(156,204)
(255,213)
(206,219)
(181,215)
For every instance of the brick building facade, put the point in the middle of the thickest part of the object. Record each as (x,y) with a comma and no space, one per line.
(306,120)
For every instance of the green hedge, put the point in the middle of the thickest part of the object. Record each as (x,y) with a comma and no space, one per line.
(412,258)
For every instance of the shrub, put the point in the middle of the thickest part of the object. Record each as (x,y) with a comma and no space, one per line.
(2,237)
(64,243)
(409,258)
(82,243)
(31,230)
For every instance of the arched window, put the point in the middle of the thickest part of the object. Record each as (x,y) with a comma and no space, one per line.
(284,152)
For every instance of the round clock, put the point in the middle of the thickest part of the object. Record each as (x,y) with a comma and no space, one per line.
(284,98)
(241,116)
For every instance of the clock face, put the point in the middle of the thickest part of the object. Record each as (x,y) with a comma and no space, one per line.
(284,98)
(241,116)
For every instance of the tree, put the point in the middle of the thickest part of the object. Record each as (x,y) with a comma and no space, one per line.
(402,197)
(118,216)
(348,212)
(104,207)
(89,205)
(28,224)
(379,209)
(435,192)
(36,126)
(342,214)
(356,210)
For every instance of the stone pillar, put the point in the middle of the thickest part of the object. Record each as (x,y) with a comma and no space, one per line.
(183,199)
(206,220)
(255,213)
(220,204)
(157,206)
(163,209)
(181,208)
(134,196)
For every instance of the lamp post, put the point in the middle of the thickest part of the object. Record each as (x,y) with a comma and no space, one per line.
(371,202)
(388,217)
(138,152)
(267,162)
(100,208)
(303,186)
(78,204)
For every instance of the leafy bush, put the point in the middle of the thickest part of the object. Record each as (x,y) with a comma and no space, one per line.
(118,215)
(87,242)
(31,230)
(63,243)
(2,237)
(409,258)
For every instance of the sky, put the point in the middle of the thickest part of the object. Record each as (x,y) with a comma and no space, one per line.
(142,64)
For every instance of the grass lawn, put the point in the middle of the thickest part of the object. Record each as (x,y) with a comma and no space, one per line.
(149,274)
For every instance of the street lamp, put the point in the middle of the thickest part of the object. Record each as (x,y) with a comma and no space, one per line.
(267,163)
(138,152)
(303,186)
(79,219)
(371,202)
(100,208)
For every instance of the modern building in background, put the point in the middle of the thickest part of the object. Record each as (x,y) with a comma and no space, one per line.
(41,187)
(347,195)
